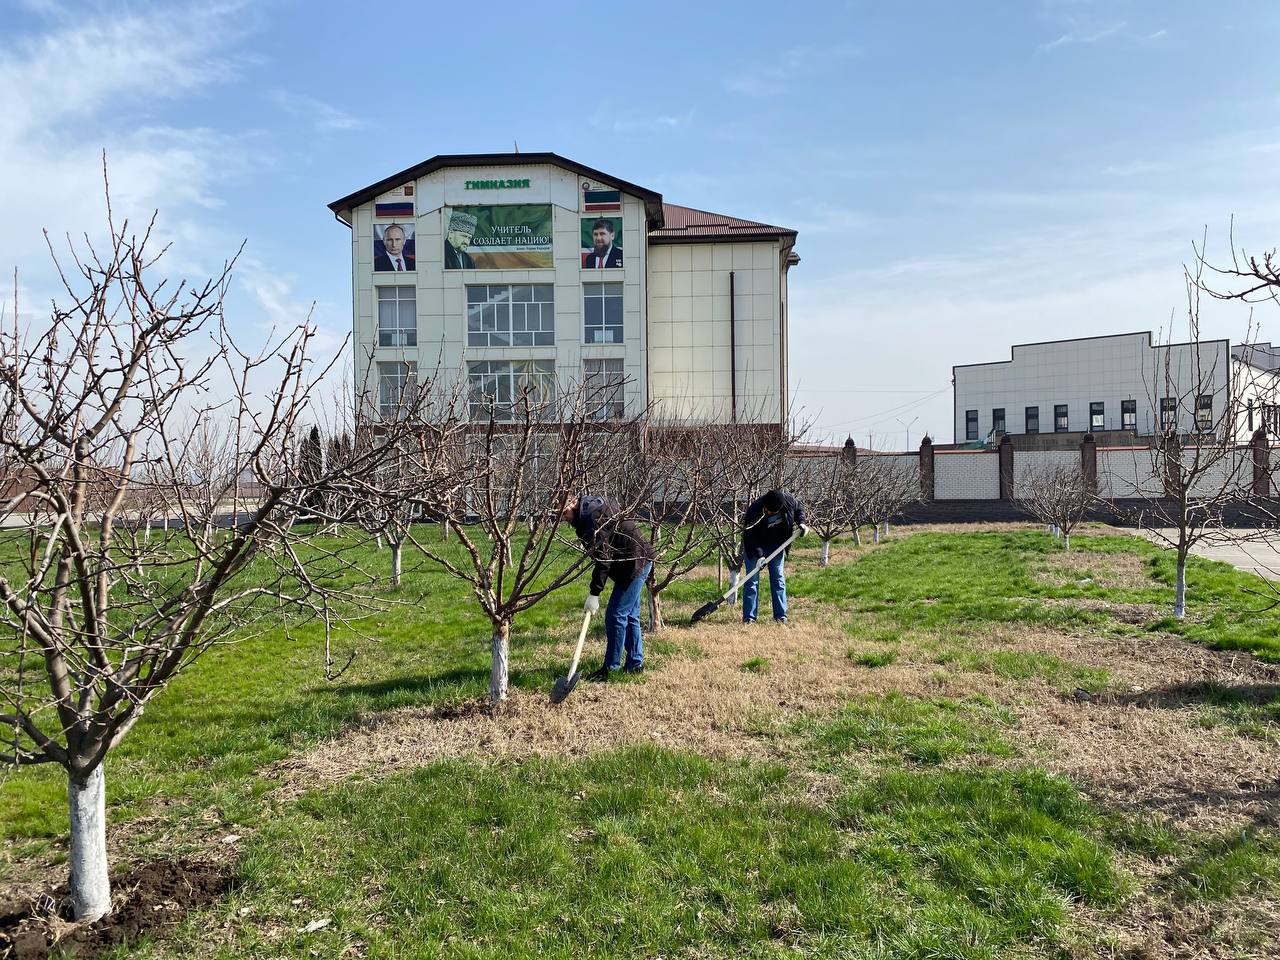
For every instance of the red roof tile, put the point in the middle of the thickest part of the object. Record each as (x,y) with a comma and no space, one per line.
(686,223)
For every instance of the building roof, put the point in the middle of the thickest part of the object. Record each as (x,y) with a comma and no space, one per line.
(686,225)
(652,200)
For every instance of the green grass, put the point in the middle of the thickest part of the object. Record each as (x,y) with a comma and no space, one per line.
(873,658)
(645,852)
(1225,867)
(946,583)
(1027,665)
(756,665)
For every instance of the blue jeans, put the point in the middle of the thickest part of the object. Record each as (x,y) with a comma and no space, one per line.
(622,624)
(777,587)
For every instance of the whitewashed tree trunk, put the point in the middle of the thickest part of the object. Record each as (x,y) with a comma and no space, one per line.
(395,562)
(90,884)
(720,571)
(826,554)
(875,533)
(1066,541)
(377,541)
(499,663)
(857,537)
(734,583)
(1180,589)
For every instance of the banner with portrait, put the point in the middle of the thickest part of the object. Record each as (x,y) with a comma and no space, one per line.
(393,249)
(506,237)
(601,242)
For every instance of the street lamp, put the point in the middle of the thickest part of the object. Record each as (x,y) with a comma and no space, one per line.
(907,427)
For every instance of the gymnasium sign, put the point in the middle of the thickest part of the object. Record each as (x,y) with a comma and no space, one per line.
(495,184)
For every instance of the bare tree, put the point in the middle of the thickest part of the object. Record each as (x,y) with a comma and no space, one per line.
(883,488)
(523,458)
(677,481)
(825,485)
(1058,496)
(1195,458)
(108,407)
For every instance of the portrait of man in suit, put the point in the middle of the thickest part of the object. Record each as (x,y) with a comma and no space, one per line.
(603,254)
(457,237)
(395,257)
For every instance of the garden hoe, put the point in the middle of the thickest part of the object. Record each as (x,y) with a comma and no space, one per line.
(564,686)
(712,606)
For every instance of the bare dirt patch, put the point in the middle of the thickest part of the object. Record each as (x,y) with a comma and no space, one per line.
(702,701)
(146,899)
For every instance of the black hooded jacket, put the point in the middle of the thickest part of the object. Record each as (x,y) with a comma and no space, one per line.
(764,533)
(621,551)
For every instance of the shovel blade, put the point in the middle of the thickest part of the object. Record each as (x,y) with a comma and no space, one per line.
(704,611)
(564,686)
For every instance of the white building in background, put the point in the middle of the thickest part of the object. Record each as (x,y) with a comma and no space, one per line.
(1126,384)
(528,268)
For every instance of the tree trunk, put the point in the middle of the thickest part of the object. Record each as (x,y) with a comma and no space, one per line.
(377,540)
(395,562)
(499,665)
(720,571)
(875,533)
(857,537)
(1066,541)
(655,611)
(90,884)
(1180,588)
(826,554)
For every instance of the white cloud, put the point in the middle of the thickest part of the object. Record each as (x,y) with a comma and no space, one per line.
(1085,36)
(62,95)
(321,115)
(774,78)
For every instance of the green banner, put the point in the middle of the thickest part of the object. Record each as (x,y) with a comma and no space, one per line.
(506,237)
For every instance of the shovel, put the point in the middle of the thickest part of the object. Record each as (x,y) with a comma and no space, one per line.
(712,606)
(564,686)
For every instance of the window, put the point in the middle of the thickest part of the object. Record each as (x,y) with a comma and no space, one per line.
(1097,415)
(1033,420)
(397,386)
(1270,416)
(1204,413)
(1129,414)
(997,420)
(505,315)
(397,317)
(1168,412)
(500,384)
(602,313)
(971,424)
(605,384)
(1059,418)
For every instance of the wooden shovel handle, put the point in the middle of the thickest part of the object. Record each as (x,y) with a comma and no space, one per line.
(582,638)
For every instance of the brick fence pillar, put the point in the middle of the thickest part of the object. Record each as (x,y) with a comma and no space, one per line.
(1261,448)
(926,470)
(1089,462)
(850,452)
(1005,452)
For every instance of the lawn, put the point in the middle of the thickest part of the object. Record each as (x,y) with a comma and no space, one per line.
(864,821)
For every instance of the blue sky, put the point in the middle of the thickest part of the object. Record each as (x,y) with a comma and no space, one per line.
(963,175)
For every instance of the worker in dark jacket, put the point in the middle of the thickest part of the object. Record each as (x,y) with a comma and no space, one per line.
(767,525)
(624,555)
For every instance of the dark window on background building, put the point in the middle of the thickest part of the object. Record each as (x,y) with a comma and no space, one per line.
(606,382)
(1168,412)
(1204,412)
(997,420)
(1059,418)
(1129,414)
(1033,420)
(971,424)
(1097,415)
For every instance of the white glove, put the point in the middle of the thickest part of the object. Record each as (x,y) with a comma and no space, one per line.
(804,531)
(593,604)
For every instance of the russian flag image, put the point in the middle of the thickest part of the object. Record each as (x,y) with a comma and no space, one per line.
(398,209)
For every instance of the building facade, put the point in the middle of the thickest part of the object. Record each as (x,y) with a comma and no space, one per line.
(1126,385)
(522,271)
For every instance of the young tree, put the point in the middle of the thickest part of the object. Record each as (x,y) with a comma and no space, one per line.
(1201,394)
(109,404)
(676,482)
(522,459)
(884,487)
(825,485)
(1058,496)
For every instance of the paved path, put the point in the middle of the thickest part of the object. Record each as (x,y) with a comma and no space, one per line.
(1245,551)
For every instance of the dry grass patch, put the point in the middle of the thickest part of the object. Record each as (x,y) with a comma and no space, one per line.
(1120,570)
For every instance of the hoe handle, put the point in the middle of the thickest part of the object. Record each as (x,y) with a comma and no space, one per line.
(582,638)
